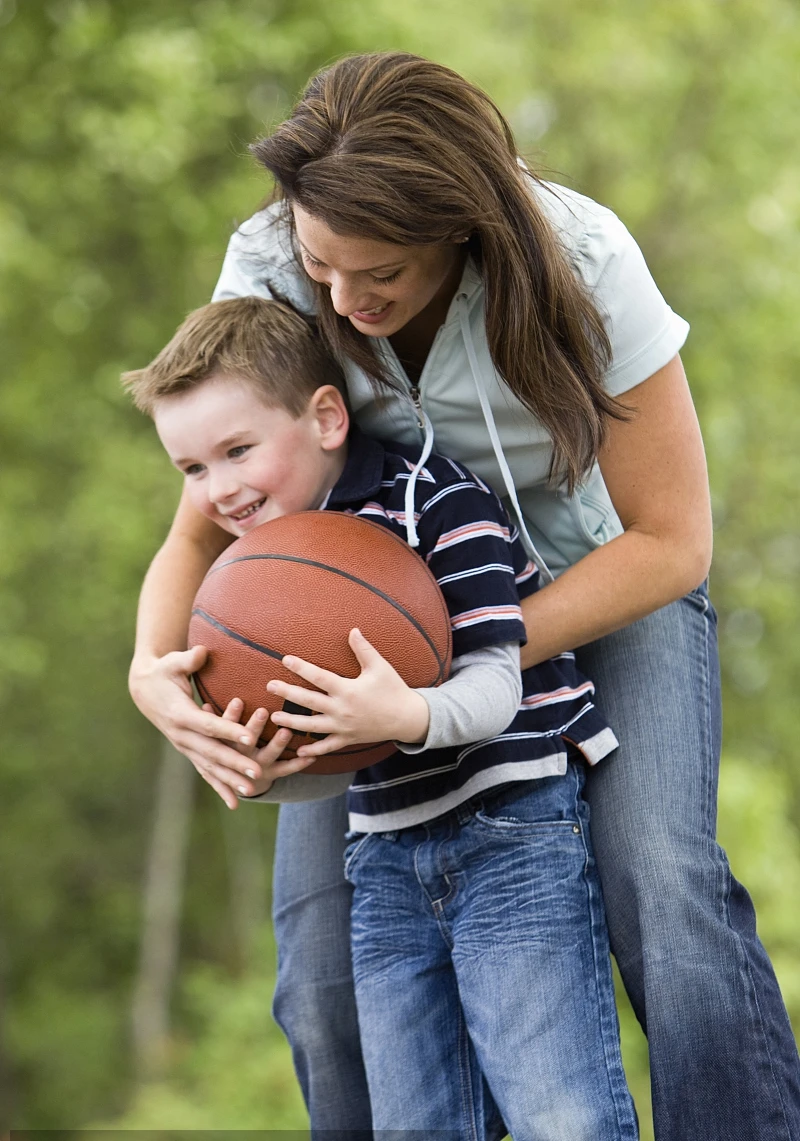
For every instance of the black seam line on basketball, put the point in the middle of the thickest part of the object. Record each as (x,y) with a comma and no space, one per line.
(238,637)
(206,696)
(343,574)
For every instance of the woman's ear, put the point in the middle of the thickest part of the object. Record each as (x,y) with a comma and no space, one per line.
(328,407)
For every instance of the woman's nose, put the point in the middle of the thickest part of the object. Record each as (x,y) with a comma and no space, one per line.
(345,296)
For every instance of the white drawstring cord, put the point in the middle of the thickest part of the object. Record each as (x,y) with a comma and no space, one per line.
(411,525)
(488,416)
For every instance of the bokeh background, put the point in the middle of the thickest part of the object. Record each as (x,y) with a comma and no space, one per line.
(135,953)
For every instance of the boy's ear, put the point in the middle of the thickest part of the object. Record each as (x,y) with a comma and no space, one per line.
(333,420)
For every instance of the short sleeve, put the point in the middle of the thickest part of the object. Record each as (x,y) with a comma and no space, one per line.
(259,262)
(645,333)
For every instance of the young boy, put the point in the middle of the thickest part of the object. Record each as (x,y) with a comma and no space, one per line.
(479,946)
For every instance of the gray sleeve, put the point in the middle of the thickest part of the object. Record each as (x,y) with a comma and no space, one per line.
(479,699)
(303,786)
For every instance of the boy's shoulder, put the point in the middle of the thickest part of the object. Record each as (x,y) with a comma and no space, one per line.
(381,470)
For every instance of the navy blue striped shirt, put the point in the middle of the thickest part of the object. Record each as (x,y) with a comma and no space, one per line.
(483,572)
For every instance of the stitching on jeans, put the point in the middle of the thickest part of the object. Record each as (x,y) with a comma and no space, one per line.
(465,1078)
(709,745)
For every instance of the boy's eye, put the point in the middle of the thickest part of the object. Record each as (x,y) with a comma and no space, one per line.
(387,280)
(239,450)
(193,469)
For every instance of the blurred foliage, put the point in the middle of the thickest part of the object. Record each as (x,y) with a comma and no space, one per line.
(124,169)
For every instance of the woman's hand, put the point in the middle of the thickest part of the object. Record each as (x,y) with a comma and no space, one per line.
(161,688)
(375,706)
(267,758)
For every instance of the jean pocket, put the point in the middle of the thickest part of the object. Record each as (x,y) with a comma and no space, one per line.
(353,851)
(546,804)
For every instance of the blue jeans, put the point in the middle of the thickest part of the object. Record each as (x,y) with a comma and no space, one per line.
(480,951)
(723,1059)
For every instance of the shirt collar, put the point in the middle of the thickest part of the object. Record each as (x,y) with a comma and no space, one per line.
(363,470)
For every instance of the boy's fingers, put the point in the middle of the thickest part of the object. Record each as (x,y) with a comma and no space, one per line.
(309,698)
(364,651)
(330,744)
(318,724)
(256,722)
(269,753)
(234,710)
(286,768)
(322,679)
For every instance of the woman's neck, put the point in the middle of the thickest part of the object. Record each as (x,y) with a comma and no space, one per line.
(413,342)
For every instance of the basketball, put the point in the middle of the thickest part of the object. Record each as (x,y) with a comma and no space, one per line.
(298,585)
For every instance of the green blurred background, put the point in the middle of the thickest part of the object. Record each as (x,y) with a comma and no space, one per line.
(135,953)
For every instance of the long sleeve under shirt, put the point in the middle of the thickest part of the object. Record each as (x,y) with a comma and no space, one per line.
(480,565)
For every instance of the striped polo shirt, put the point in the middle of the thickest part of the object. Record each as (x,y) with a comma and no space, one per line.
(483,571)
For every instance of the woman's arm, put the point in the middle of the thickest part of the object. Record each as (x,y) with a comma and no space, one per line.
(655,471)
(161,667)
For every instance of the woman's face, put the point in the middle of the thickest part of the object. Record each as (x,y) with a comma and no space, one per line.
(378,286)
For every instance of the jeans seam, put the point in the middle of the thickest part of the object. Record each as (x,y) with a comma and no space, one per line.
(710,801)
(594,898)
(465,1078)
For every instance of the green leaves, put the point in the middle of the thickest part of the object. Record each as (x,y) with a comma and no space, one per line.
(125,167)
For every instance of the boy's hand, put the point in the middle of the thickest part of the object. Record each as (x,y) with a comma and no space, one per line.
(266,766)
(375,706)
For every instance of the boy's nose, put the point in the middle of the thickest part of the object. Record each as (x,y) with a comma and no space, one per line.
(222,487)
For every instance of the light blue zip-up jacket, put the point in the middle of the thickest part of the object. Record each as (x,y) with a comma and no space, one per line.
(474,416)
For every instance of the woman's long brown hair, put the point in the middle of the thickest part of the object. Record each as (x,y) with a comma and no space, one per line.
(393,147)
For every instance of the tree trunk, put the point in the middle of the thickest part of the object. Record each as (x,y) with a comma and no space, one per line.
(163,900)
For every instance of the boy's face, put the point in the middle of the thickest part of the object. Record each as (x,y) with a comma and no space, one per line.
(244,462)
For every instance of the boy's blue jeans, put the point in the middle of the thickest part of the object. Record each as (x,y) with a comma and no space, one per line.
(480,951)
(723,1059)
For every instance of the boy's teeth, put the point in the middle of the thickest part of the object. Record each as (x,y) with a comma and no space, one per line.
(250,510)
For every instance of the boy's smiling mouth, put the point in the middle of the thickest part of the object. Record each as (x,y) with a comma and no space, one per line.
(246,512)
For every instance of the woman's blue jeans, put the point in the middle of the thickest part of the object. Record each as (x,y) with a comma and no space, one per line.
(724,1064)
(483,973)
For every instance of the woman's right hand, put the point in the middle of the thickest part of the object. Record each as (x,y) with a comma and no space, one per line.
(161,689)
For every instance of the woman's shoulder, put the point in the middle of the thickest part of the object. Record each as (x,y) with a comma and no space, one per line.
(260,261)
(590,233)
(644,331)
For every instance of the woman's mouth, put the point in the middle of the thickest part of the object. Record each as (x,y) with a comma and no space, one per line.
(372,316)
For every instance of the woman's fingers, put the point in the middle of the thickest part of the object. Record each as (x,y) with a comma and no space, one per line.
(205,751)
(220,728)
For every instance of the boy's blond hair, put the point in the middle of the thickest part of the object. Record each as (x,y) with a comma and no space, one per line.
(264,343)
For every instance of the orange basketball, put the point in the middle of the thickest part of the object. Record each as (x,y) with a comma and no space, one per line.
(298,585)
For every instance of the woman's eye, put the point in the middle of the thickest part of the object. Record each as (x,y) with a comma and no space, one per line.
(388,280)
(239,450)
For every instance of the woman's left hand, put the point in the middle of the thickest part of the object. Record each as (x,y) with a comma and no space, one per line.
(375,706)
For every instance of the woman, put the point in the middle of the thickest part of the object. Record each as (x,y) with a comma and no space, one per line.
(522,318)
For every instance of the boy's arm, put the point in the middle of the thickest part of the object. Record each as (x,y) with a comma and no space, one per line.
(480,699)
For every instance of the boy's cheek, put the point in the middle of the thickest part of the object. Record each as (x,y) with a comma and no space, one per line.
(201,503)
